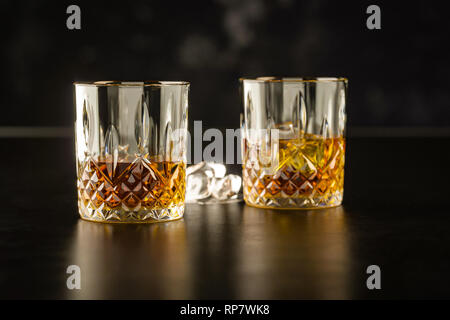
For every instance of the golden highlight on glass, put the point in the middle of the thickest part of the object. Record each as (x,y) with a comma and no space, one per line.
(131,150)
(293,141)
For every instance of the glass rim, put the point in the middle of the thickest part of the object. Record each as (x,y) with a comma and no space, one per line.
(293,79)
(131,84)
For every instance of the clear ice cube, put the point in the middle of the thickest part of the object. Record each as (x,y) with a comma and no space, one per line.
(200,167)
(218,168)
(206,179)
(197,186)
(227,187)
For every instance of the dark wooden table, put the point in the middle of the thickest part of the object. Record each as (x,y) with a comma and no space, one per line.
(395,215)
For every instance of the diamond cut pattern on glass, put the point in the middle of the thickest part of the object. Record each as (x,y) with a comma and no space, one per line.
(310,174)
(137,191)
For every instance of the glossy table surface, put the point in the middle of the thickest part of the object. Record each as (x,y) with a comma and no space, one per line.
(395,215)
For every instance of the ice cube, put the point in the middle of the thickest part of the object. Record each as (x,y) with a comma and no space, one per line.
(219,169)
(227,187)
(197,186)
(206,179)
(212,169)
(200,167)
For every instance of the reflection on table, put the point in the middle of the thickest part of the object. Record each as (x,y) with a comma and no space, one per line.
(244,252)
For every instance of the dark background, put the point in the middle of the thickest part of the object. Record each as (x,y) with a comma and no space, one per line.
(397,75)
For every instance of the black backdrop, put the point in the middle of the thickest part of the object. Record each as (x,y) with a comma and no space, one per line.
(397,75)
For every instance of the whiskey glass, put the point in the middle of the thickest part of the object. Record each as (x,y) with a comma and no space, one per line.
(130,142)
(293,145)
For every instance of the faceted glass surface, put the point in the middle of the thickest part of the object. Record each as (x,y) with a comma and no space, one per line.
(131,145)
(293,142)
(310,173)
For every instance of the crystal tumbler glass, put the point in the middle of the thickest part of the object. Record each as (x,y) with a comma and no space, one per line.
(131,150)
(293,141)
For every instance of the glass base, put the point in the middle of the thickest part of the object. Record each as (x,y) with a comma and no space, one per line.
(131,216)
(313,202)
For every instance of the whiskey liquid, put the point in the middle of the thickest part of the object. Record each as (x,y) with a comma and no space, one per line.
(123,187)
(309,172)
